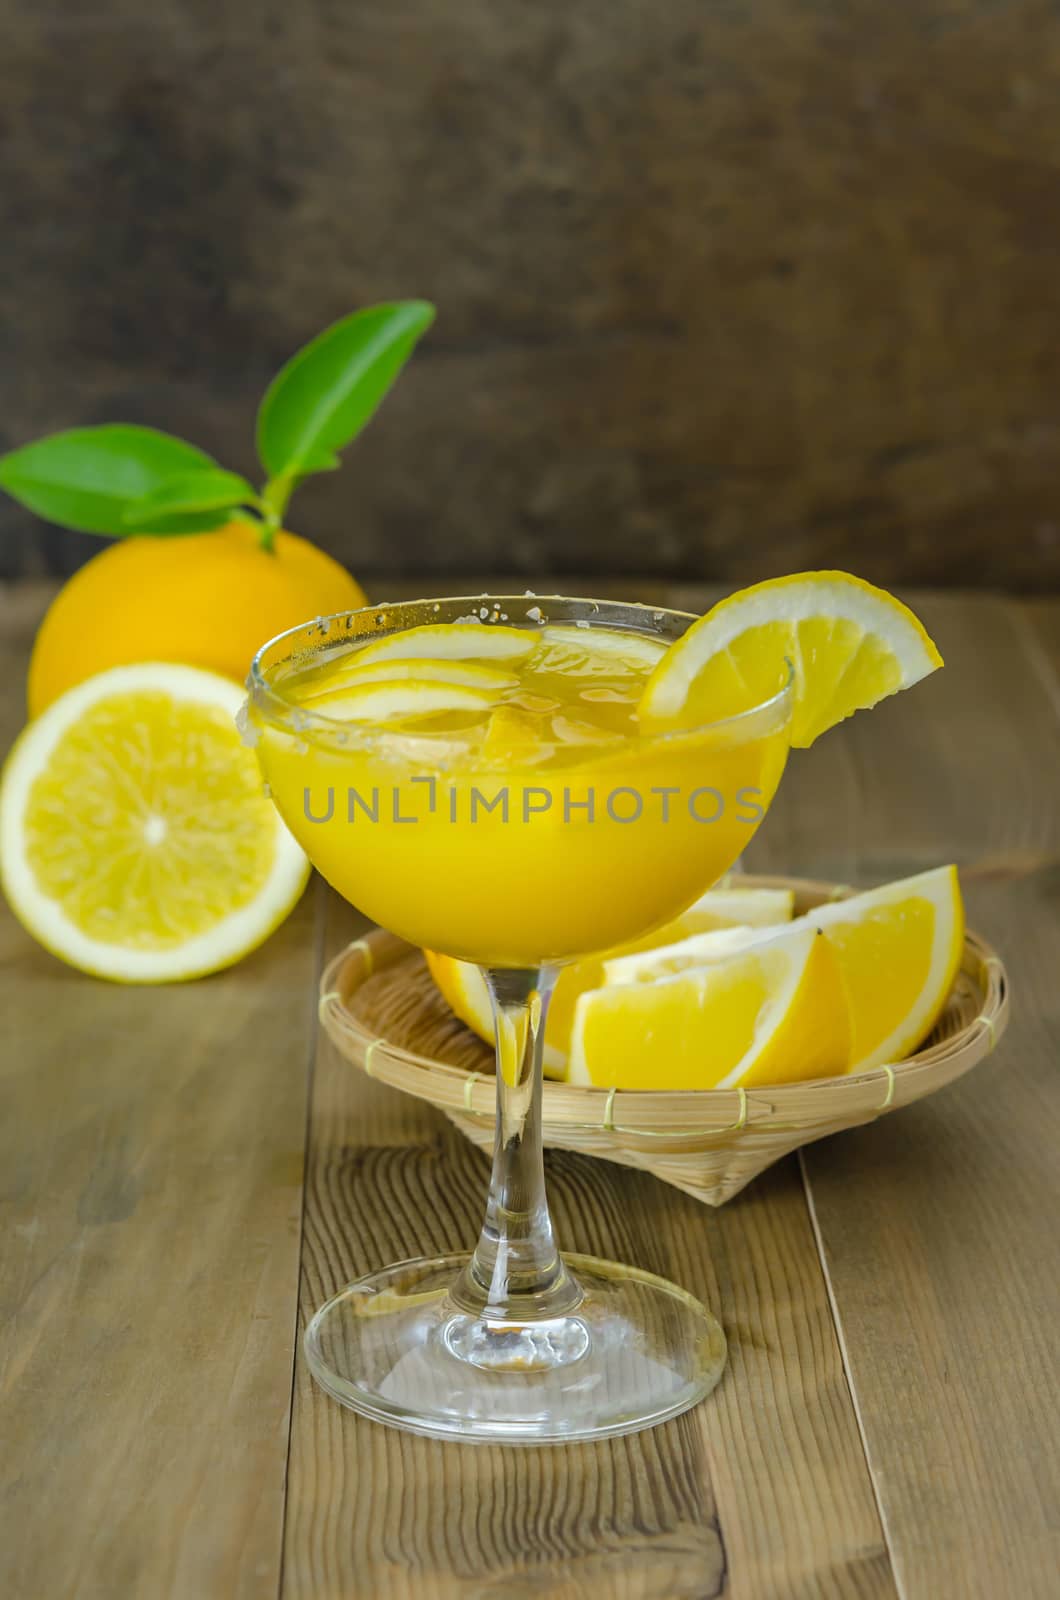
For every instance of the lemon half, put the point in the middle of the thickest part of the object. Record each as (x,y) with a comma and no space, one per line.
(136,840)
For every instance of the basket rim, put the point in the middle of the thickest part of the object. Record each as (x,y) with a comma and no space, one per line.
(662,1113)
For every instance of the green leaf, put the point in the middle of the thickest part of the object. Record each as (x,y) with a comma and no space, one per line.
(88,478)
(209,489)
(325,394)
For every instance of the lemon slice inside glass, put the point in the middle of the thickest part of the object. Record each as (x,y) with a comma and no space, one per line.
(407,700)
(456,641)
(351,672)
(594,652)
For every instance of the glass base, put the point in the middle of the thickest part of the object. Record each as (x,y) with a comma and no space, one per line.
(635,1352)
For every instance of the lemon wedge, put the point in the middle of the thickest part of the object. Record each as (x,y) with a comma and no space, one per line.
(849,644)
(773,1012)
(896,950)
(899,949)
(136,841)
(464,987)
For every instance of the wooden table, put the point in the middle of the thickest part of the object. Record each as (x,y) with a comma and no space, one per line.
(186,1172)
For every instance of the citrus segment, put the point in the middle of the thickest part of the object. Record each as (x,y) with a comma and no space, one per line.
(899,949)
(751,907)
(771,1013)
(595,652)
(513,737)
(665,961)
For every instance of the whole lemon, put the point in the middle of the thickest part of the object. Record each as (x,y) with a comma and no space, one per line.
(204,599)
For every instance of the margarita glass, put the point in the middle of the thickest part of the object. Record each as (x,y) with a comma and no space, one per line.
(520,835)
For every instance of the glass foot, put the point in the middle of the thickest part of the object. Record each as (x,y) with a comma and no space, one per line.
(634,1352)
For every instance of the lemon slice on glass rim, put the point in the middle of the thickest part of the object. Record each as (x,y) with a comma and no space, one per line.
(850,645)
(136,840)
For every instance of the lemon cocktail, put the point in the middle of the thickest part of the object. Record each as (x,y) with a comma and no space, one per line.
(483,787)
(487,778)
(518,782)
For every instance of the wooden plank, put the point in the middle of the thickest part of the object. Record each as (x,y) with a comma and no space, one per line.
(151,1145)
(1038,622)
(762,1491)
(938,1225)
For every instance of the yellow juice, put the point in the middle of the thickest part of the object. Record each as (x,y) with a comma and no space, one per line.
(519,816)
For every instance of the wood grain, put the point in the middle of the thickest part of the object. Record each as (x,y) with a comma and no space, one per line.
(885,1427)
(937,1224)
(709,303)
(762,1491)
(150,1195)
(1038,623)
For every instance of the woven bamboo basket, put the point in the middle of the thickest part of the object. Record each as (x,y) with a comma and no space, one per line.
(381,1009)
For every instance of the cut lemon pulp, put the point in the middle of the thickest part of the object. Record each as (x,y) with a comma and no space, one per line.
(666,961)
(899,949)
(349,672)
(457,641)
(513,737)
(404,700)
(773,1012)
(589,652)
(136,841)
(849,645)
(464,987)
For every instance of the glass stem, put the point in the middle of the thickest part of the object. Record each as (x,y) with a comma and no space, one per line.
(516,1272)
